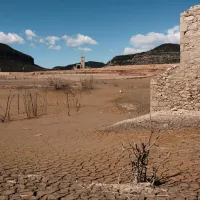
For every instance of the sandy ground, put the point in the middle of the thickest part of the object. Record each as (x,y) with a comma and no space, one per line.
(57,156)
(113,72)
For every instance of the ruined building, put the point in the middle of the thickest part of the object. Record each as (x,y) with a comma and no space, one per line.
(179,87)
(81,65)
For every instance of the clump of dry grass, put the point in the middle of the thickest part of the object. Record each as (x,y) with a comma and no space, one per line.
(56,82)
(73,93)
(59,84)
(35,105)
(87,84)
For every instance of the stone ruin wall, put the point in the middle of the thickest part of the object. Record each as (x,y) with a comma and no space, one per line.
(179,87)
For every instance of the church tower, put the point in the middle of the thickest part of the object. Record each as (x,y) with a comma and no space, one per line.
(83,61)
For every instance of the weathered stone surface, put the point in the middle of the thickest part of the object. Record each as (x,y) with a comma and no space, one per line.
(183,27)
(189,18)
(179,86)
(9,192)
(3,197)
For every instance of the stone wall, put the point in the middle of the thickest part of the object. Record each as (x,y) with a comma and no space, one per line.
(179,87)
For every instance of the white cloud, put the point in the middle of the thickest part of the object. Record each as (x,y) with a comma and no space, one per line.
(173,35)
(41,40)
(111,50)
(128,50)
(147,41)
(11,38)
(58,47)
(173,29)
(30,34)
(32,45)
(52,39)
(150,40)
(49,41)
(79,40)
(84,49)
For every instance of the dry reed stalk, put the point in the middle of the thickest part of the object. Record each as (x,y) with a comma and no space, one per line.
(6,112)
(35,105)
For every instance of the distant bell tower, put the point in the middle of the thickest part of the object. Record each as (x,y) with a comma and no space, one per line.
(83,61)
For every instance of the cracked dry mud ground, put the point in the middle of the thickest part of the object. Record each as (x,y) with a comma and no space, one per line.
(69,155)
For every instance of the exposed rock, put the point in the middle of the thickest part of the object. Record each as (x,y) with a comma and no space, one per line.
(174,109)
(162,120)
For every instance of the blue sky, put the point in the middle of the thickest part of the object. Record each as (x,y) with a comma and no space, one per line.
(55,32)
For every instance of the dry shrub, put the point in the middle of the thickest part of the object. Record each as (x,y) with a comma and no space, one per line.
(73,93)
(5,117)
(139,154)
(56,82)
(69,96)
(73,98)
(35,105)
(87,84)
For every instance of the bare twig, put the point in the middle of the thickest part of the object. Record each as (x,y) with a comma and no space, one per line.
(6,112)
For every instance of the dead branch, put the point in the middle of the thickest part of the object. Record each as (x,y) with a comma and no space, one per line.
(139,156)
(6,112)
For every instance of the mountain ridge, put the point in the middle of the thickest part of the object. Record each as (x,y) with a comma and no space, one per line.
(12,60)
(89,64)
(167,53)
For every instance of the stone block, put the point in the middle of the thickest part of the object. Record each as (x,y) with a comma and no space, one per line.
(181,47)
(183,27)
(154,82)
(189,34)
(197,105)
(193,26)
(185,40)
(162,104)
(154,103)
(185,55)
(189,18)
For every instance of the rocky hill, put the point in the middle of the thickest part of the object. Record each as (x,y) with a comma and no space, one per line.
(89,64)
(163,54)
(12,60)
